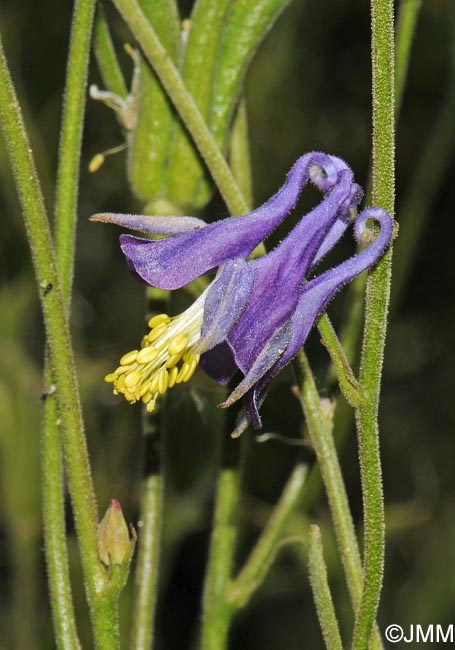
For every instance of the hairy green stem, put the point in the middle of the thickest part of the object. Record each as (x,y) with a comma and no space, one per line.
(321,591)
(147,562)
(70,140)
(350,332)
(261,557)
(150,534)
(217,610)
(376,307)
(60,353)
(65,216)
(66,637)
(320,430)
(349,385)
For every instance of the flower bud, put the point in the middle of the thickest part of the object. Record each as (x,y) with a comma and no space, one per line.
(113,536)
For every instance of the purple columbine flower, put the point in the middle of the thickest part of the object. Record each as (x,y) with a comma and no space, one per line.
(256,314)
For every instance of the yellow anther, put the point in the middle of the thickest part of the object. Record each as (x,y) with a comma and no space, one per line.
(110,377)
(154,384)
(132,379)
(96,163)
(173,372)
(173,360)
(144,389)
(158,320)
(157,332)
(128,358)
(144,341)
(178,344)
(190,370)
(147,354)
(151,405)
(163,379)
(120,370)
(182,371)
(146,398)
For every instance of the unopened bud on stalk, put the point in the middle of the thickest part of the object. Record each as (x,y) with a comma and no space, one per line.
(113,536)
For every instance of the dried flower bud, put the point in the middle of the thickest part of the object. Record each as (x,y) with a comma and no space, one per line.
(113,536)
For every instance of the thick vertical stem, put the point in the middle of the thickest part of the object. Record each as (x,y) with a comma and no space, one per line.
(61,356)
(65,218)
(217,611)
(147,567)
(320,430)
(376,308)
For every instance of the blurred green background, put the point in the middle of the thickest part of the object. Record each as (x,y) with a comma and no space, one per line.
(308,88)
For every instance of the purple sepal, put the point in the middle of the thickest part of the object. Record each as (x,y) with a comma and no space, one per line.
(258,313)
(171,226)
(172,263)
(226,300)
(315,296)
(277,286)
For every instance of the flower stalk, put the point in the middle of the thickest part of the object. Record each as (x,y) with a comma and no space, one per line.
(320,427)
(256,567)
(321,591)
(217,612)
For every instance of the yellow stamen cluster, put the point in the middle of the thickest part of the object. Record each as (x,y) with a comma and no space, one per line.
(164,360)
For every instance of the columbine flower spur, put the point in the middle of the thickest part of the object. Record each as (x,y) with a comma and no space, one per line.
(256,314)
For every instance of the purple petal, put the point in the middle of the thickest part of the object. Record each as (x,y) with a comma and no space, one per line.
(227,297)
(172,263)
(315,296)
(270,353)
(152,225)
(279,276)
(348,214)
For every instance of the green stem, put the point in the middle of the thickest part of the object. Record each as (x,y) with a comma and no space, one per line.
(217,611)
(146,573)
(65,214)
(349,385)
(407,20)
(320,430)
(261,557)
(66,637)
(105,56)
(147,563)
(376,307)
(184,103)
(60,352)
(70,140)
(321,592)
